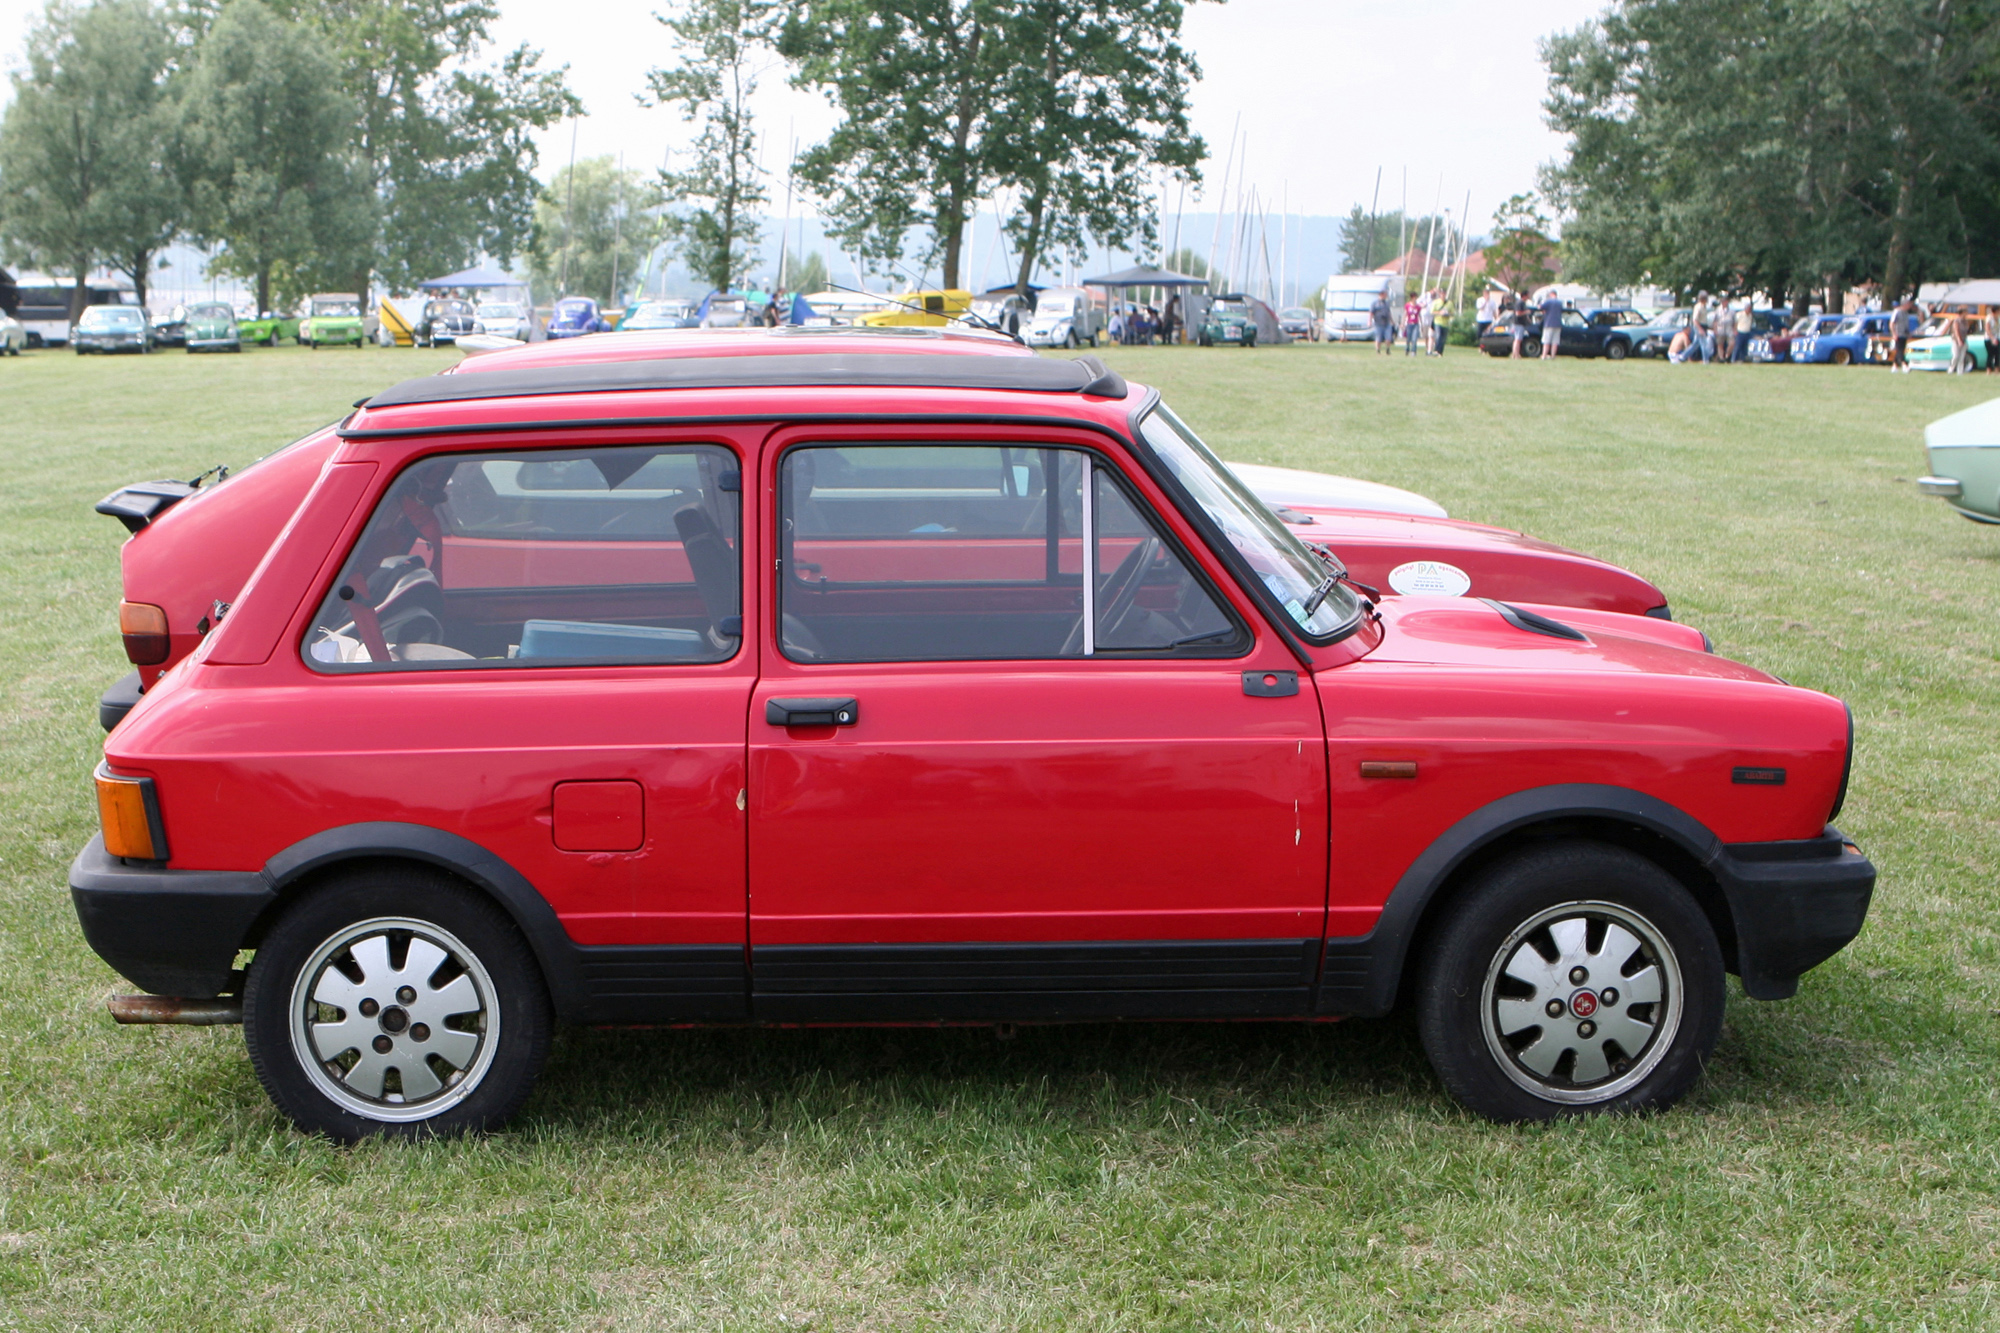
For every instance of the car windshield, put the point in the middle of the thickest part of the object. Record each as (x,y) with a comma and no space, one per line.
(1296,314)
(110,317)
(660,310)
(1849,326)
(1054,307)
(336,309)
(500,310)
(1350,300)
(436,308)
(573,306)
(1231,308)
(209,312)
(1289,569)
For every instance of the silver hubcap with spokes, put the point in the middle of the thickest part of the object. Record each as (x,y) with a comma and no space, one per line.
(1581,1002)
(395,1019)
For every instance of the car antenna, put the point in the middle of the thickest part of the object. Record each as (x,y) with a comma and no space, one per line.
(971,316)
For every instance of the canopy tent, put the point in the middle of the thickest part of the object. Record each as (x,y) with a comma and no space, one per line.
(469,278)
(1145,276)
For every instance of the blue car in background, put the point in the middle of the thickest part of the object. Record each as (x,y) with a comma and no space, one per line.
(575,316)
(1847,344)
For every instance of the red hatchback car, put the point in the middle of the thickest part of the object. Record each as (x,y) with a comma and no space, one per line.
(833,678)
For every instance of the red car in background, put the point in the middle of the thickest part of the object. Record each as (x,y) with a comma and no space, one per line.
(843,679)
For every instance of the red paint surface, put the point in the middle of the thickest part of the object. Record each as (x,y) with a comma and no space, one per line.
(600,816)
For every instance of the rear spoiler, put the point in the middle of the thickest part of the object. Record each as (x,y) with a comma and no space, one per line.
(140,503)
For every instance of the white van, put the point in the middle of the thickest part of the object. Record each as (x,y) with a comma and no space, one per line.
(1348,297)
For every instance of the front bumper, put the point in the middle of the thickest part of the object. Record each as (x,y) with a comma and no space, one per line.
(1795,905)
(120,699)
(171,932)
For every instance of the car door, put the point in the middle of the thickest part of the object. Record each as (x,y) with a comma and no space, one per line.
(1014,752)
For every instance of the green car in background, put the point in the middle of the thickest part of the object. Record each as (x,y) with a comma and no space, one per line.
(1964,453)
(1229,321)
(211,327)
(333,320)
(269,329)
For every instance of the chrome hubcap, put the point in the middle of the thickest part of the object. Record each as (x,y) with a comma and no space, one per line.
(394,1019)
(1581,1002)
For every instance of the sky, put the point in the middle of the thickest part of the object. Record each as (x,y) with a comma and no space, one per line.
(1319,95)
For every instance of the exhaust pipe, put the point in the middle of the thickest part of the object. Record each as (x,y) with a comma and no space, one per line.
(173,1009)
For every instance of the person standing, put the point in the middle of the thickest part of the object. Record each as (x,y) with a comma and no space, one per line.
(1517,319)
(1440,322)
(1552,325)
(1170,321)
(1426,314)
(1701,335)
(1746,324)
(1961,346)
(1993,340)
(1412,312)
(1900,323)
(1486,311)
(1378,322)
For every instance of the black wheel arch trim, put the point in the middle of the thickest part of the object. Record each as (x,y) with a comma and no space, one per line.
(1784,915)
(553,948)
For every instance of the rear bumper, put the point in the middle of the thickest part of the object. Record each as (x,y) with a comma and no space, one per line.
(116,702)
(1949,488)
(171,932)
(1795,905)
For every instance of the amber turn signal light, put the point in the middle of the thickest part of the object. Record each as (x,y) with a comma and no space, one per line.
(145,629)
(130,817)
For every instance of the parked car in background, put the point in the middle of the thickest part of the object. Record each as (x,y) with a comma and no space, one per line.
(269,329)
(1579,336)
(1009,312)
(211,327)
(112,328)
(13,335)
(1065,317)
(503,319)
(887,762)
(575,316)
(1932,348)
(170,329)
(1229,322)
(1845,344)
(1774,347)
(725,310)
(672,313)
(44,303)
(445,320)
(1963,450)
(1300,323)
(1615,329)
(1656,335)
(333,319)
(920,309)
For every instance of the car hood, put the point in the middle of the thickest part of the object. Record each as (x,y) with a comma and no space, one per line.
(1473,632)
(1306,491)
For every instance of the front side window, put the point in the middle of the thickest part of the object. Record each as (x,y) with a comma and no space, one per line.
(617,555)
(1294,576)
(910,553)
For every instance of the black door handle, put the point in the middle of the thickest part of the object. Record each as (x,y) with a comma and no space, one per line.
(811,712)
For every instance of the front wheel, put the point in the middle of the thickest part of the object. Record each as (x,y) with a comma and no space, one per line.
(1841,356)
(1573,979)
(397,1002)
(1617,349)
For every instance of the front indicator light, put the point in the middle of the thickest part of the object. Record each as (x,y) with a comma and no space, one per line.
(144,627)
(129,813)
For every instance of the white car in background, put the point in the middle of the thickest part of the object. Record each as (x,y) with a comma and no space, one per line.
(1284,488)
(1065,317)
(503,319)
(13,335)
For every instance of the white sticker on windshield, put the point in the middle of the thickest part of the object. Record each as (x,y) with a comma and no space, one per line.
(1430,578)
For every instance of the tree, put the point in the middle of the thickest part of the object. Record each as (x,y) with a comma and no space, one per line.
(83,143)
(443,148)
(1087,126)
(714,225)
(263,151)
(594,226)
(1522,254)
(804,273)
(1774,144)
(1369,241)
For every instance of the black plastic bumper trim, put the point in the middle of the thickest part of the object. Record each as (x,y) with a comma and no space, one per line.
(120,699)
(1795,905)
(170,932)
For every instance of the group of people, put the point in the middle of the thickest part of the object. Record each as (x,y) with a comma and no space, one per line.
(1521,317)
(1959,326)
(1144,325)
(1717,330)
(1426,319)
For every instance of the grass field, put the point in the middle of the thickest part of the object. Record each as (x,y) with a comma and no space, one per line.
(1839,1168)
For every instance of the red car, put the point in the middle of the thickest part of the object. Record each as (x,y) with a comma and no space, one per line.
(838,678)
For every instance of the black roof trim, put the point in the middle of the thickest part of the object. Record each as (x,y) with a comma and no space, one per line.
(1084,375)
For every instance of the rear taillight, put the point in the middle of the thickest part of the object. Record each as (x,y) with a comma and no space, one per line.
(145,629)
(129,812)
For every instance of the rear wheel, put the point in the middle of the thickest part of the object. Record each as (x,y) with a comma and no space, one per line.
(1617,349)
(399,1002)
(1841,356)
(1576,978)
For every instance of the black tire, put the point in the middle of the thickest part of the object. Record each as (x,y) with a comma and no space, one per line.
(1841,356)
(1617,349)
(1565,899)
(1071,341)
(320,947)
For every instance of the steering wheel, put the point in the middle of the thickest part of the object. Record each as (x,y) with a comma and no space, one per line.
(1120,590)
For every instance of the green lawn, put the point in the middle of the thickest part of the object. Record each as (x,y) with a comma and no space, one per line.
(1838,1168)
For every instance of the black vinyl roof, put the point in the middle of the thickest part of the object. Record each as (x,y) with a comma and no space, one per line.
(1032,374)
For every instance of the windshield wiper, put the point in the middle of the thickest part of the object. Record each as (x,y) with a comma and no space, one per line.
(1321,593)
(1198,638)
